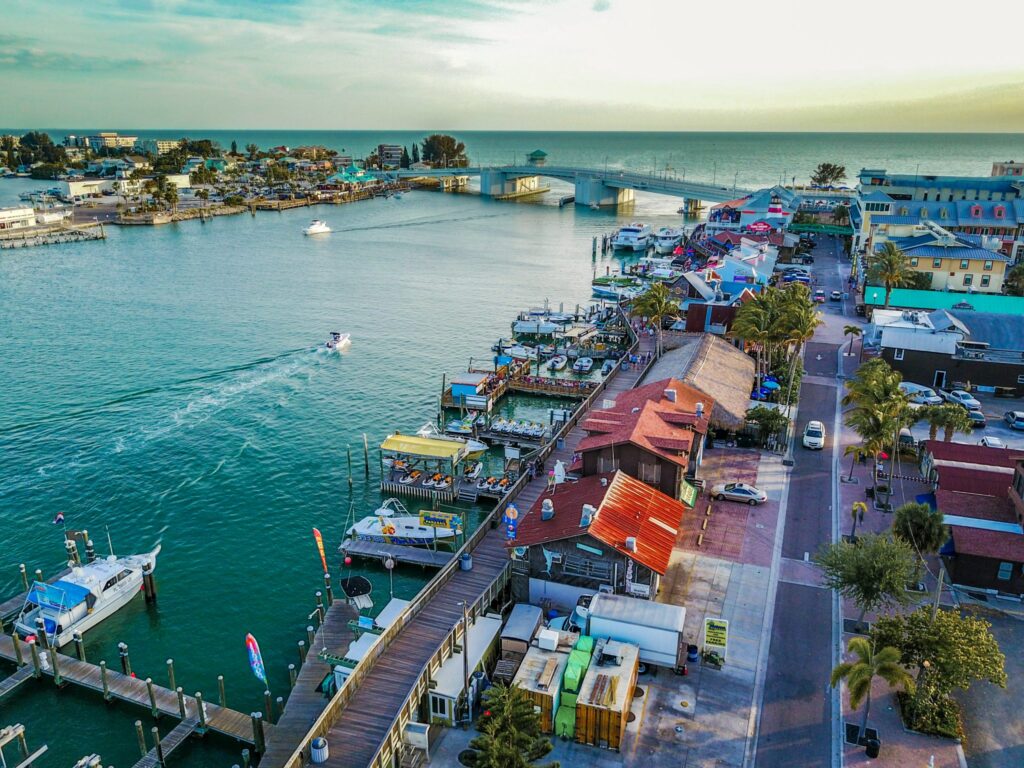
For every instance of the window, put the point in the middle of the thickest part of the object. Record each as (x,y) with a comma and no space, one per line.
(438,706)
(897,354)
(1020,379)
(968,278)
(985,280)
(936,263)
(988,264)
(965,264)
(1005,571)
(913,262)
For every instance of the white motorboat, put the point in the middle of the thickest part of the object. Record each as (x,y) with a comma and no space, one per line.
(519,352)
(391,523)
(474,448)
(616,293)
(316,227)
(558,362)
(667,239)
(633,237)
(79,601)
(583,365)
(338,340)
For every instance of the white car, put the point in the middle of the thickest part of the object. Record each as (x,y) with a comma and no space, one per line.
(814,435)
(963,398)
(991,442)
(919,394)
(739,492)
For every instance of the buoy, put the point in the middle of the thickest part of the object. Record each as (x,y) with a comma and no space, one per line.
(348,560)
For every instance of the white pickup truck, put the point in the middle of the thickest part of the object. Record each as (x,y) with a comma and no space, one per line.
(960,397)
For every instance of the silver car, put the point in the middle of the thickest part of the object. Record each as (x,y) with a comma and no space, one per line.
(741,492)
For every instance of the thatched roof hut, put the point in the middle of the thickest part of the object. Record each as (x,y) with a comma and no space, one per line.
(713,366)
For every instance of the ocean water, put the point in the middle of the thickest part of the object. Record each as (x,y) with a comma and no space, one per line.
(166,385)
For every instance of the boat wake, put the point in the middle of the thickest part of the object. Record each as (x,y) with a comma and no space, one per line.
(422,221)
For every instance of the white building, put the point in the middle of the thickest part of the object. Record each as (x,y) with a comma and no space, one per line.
(92,187)
(111,140)
(17,218)
(158,146)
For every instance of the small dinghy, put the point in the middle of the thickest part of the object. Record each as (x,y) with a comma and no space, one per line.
(338,341)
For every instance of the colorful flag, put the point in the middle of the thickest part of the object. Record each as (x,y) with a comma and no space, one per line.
(255,658)
(59,519)
(320,546)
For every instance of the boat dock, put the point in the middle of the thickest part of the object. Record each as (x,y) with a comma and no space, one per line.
(113,684)
(373,550)
(51,236)
(157,756)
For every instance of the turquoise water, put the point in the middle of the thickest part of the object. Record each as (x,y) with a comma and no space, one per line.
(166,383)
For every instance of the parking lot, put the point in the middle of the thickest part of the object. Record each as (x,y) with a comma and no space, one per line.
(994,408)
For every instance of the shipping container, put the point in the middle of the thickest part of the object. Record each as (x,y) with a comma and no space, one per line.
(540,675)
(602,706)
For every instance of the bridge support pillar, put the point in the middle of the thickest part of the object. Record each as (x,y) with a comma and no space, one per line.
(591,191)
(494,183)
(691,207)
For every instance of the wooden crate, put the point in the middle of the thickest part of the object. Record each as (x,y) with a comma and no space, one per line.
(602,709)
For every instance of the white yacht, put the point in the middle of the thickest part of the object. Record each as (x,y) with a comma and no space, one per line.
(82,599)
(316,227)
(667,239)
(633,237)
(338,340)
(392,524)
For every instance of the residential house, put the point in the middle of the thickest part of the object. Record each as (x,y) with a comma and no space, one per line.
(654,432)
(607,531)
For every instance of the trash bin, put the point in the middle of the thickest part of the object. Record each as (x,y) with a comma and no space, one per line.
(560,443)
(319,750)
(872,747)
(692,653)
(466,562)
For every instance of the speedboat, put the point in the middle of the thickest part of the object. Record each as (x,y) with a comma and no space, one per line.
(616,293)
(384,526)
(522,353)
(633,237)
(583,365)
(558,362)
(85,597)
(667,239)
(316,227)
(338,340)
(474,449)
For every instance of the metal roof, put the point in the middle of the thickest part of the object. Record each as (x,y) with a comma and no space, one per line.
(909,298)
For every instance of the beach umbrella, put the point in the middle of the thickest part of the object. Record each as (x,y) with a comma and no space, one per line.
(770,385)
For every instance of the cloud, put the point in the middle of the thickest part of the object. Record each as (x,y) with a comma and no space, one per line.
(602,5)
(37,59)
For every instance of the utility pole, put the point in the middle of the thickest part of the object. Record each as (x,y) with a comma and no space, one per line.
(938,593)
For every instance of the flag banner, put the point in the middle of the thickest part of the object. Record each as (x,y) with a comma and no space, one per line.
(59,519)
(320,547)
(255,658)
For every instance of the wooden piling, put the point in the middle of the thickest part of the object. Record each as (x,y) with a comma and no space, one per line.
(201,710)
(319,610)
(24,576)
(126,662)
(90,552)
(149,582)
(19,659)
(220,691)
(366,454)
(328,591)
(280,706)
(157,745)
(257,732)
(56,667)
(246,758)
(181,702)
(348,450)
(79,646)
(268,706)
(141,734)
(170,674)
(302,651)
(310,636)
(37,669)
(152,697)
(104,682)
(292,675)
(39,575)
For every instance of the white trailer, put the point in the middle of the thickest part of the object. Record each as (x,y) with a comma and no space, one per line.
(656,628)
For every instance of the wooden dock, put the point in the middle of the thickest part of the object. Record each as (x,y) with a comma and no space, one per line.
(306,702)
(400,554)
(11,682)
(156,757)
(135,691)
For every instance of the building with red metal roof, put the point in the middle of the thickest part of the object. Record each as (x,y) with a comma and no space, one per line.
(607,530)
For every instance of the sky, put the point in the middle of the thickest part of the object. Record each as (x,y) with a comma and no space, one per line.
(645,65)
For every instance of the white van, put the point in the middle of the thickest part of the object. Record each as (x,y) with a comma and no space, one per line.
(920,394)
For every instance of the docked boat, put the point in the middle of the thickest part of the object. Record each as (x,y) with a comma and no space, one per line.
(79,601)
(338,340)
(583,365)
(558,362)
(474,448)
(617,293)
(608,367)
(391,523)
(667,239)
(521,352)
(316,227)
(633,237)
(473,470)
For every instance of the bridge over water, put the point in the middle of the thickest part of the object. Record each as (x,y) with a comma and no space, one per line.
(598,186)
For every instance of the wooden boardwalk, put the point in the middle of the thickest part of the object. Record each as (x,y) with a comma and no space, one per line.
(134,691)
(11,682)
(400,554)
(169,743)
(306,702)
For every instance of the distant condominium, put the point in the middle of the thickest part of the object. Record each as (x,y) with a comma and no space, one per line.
(104,139)
(389,155)
(158,146)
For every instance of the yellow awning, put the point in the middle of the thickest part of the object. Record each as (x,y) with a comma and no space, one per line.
(414,445)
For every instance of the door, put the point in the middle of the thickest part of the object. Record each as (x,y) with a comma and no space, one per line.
(940,380)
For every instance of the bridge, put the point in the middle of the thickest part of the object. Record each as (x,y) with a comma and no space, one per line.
(594,186)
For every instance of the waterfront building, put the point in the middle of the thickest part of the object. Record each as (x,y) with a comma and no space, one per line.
(953,262)
(763,211)
(18,217)
(925,188)
(389,155)
(92,186)
(110,140)
(157,146)
(1008,168)
(910,298)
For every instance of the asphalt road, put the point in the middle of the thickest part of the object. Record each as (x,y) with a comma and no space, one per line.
(796,727)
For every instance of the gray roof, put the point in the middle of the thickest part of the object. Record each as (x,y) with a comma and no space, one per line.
(998,331)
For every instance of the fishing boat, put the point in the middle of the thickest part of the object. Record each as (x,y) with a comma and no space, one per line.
(391,523)
(583,365)
(667,239)
(474,448)
(338,340)
(633,237)
(316,227)
(79,601)
(558,362)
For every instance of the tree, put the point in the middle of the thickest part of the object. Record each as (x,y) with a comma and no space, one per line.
(445,150)
(857,512)
(170,195)
(234,147)
(799,322)
(771,421)
(921,527)
(415,153)
(657,305)
(828,174)
(956,420)
(755,324)
(510,734)
(861,673)
(1014,280)
(404,162)
(853,331)
(873,571)
(840,214)
(889,267)
(252,150)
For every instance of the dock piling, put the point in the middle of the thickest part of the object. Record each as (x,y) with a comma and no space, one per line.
(39,575)
(126,662)
(43,640)
(310,636)
(257,732)
(37,669)
(152,697)
(157,745)
(302,651)
(201,710)
(24,576)
(292,675)
(246,758)
(18,658)
(319,609)
(170,674)
(280,706)
(181,702)
(220,691)
(328,590)
(268,705)
(79,646)
(348,450)
(56,668)
(104,681)
(149,583)
(141,734)
(90,552)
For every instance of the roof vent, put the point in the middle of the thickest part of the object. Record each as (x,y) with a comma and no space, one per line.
(670,395)
(588,515)
(547,510)
(604,482)
(631,543)
(700,410)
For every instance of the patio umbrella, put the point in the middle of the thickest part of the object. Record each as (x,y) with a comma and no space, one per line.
(771,384)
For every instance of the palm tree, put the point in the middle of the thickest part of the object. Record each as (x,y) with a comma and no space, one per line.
(1014,281)
(957,420)
(799,321)
(935,415)
(860,674)
(755,325)
(920,526)
(853,331)
(857,512)
(890,267)
(657,305)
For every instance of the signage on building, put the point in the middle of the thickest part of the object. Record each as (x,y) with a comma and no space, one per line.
(687,494)
(439,519)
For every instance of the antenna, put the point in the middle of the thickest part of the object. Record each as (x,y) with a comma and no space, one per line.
(110,543)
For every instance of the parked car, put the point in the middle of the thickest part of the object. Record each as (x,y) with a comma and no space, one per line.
(991,442)
(960,397)
(836,296)
(920,394)
(819,296)
(860,310)
(977,419)
(1015,419)
(814,435)
(739,492)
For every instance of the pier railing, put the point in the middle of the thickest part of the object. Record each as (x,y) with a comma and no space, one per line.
(342,698)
